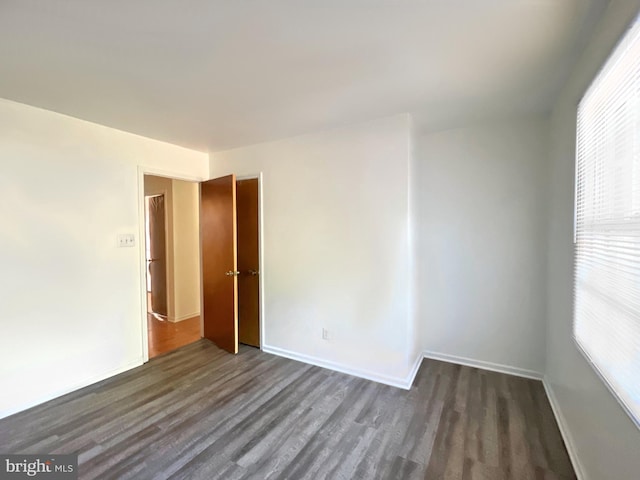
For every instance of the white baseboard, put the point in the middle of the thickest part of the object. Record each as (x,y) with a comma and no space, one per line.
(495,367)
(399,382)
(564,431)
(414,370)
(64,391)
(183,317)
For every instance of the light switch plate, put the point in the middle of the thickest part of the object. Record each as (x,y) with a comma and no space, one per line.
(126,240)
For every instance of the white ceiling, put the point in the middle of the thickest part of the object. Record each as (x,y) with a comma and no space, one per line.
(213,74)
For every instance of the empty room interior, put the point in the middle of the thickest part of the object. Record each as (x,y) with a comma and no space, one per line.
(320,239)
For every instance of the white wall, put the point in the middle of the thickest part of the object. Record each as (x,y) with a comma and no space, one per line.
(481,230)
(335,244)
(70,300)
(186,249)
(605,440)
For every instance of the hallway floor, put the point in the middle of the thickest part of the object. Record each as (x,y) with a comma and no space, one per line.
(165,336)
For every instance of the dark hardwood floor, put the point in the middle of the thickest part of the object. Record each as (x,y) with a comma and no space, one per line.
(200,413)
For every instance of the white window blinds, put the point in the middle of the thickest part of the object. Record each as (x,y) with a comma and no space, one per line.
(607,223)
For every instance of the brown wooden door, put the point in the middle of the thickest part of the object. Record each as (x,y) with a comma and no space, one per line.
(157,255)
(219,262)
(248,262)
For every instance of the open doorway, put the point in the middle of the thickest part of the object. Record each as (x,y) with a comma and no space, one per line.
(156,255)
(172,263)
(226,252)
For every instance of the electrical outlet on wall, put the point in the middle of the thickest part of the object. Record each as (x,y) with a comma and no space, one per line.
(325,334)
(126,240)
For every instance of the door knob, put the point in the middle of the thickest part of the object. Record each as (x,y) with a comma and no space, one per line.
(253,272)
(232,273)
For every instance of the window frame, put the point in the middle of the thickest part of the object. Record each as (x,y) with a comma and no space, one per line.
(629,30)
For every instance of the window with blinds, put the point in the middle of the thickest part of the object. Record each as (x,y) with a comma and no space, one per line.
(607,223)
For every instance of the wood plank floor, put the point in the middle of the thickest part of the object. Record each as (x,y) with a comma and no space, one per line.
(165,336)
(200,413)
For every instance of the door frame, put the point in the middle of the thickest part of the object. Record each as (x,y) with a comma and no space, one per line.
(260,250)
(142,171)
(142,322)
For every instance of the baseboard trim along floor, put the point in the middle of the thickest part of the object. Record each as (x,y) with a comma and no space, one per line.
(494,367)
(399,382)
(564,430)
